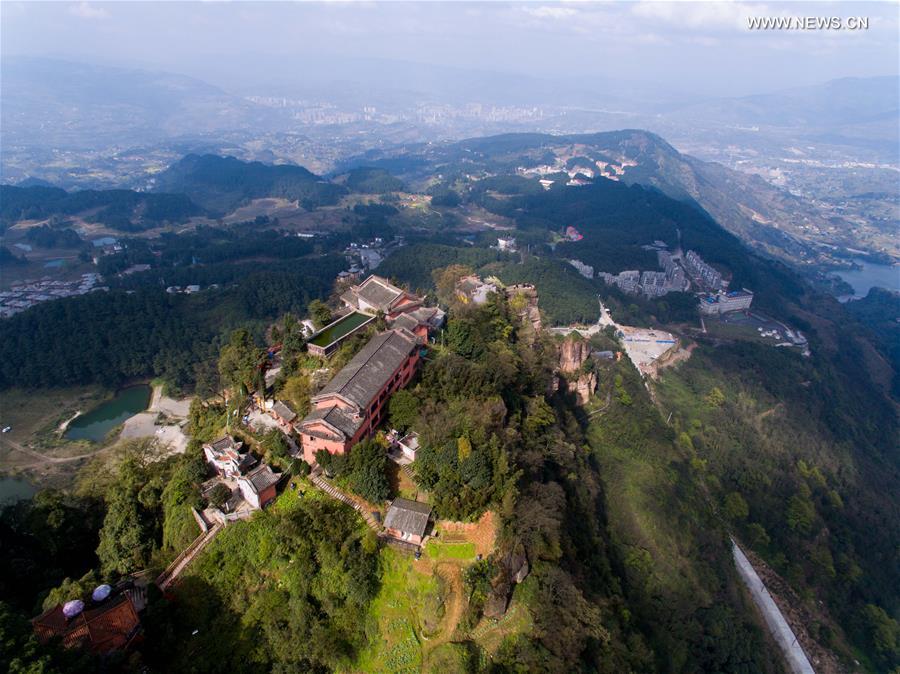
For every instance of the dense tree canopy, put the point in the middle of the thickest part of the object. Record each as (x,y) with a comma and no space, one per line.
(287,590)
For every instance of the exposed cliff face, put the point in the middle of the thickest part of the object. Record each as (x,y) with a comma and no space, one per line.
(573,353)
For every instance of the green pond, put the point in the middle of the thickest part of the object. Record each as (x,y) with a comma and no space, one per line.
(13,489)
(338,329)
(99,421)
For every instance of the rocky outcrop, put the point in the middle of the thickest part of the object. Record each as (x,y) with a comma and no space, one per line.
(513,568)
(584,387)
(573,352)
(523,298)
(581,382)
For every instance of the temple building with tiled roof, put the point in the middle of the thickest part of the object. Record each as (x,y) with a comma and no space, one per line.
(377,294)
(351,406)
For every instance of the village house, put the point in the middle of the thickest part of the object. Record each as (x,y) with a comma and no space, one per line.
(351,406)
(225,457)
(377,294)
(407,520)
(99,625)
(403,448)
(258,486)
(472,289)
(284,415)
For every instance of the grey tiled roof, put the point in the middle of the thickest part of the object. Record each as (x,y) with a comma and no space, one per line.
(405,321)
(283,411)
(246,461)
(345,423)
(409,517)
(225,443)
(261,478)
(370,369)
(379,293)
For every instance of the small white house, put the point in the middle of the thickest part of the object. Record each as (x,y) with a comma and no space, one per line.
(258,486)
(409,445)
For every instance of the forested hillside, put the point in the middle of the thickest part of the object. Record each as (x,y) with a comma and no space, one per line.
(744,204)
(622,507)
(112,337)
(125,210)
(220,184)
(801,487)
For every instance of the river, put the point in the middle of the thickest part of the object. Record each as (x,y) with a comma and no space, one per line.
(868,276)
(99,421)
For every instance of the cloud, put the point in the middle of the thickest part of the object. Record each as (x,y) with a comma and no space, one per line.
(545,12)
(699,15)
(87,11)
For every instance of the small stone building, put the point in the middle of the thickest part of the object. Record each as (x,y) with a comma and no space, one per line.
(258,486)
(407,520)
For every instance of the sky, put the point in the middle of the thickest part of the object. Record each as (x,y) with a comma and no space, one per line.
(701,47)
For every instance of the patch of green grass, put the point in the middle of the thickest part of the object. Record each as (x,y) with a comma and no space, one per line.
(490,634)
(289,498)
(437,550)
(451,658)
(397,615)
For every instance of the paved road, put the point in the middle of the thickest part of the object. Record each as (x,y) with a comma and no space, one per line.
(778,626)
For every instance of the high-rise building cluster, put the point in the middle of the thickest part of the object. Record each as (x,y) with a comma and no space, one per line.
(650,283)
(674,272)
(699,269)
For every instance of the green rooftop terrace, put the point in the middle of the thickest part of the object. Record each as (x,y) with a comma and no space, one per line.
(340,329)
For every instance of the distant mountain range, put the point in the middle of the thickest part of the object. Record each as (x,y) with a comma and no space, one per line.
(846,101)
(53,103)
(769,218)
(748,206)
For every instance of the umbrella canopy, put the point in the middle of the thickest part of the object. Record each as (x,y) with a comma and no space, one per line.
(73,608)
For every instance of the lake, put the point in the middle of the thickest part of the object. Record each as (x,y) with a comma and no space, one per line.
(870,275)
(99,421)
(14,489)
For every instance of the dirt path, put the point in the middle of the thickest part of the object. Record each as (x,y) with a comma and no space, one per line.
(769,412)
(453,606)
(43,458)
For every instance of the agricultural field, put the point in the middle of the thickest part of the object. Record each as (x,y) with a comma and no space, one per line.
(407,612)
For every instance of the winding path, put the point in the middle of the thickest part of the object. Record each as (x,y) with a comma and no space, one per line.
(453,610)
(43,458)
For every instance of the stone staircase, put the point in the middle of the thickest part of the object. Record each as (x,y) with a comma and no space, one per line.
(168,577)
(323,484)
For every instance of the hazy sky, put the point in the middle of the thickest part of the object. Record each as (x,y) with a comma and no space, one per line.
(703,47)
